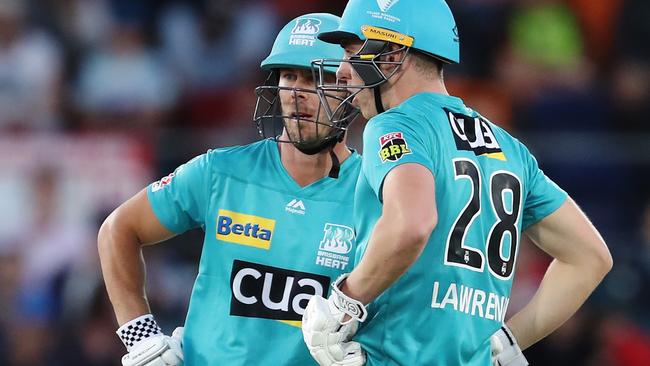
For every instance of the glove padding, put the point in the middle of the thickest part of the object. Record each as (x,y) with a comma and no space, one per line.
(505,350)
(159,350)
(327,336)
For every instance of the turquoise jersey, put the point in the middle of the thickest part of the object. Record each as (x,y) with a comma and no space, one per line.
(269,246)
(489,189)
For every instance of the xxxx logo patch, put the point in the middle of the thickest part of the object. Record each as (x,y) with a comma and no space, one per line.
(392,147)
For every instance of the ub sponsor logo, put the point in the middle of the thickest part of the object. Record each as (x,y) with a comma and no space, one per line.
(245,229)
(304,32)
(337,242)
(393,146)
(474,134)
(260,291)
(295,206)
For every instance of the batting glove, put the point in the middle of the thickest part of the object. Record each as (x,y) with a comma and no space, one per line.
(505,350)
(148,346)
(327,336)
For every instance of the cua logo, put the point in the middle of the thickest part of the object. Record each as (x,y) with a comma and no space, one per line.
(245,229)
(260,291)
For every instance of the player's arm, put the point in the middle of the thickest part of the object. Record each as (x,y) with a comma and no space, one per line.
(121,238)
(408,217)
(581,260)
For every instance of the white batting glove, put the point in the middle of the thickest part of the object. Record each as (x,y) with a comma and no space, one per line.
(148,346)
(327,336)
(505,350)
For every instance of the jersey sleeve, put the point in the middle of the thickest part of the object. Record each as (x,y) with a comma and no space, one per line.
(180,199)
(391,140)
(543,196)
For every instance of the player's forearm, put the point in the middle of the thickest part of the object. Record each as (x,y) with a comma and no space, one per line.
(390,253)
(123,269)
(563,290)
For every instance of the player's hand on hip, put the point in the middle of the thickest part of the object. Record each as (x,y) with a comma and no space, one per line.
(505,350)
(148,346)
(328,334)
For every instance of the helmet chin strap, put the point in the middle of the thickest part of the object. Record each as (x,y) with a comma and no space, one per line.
(378,103)
(336,165)
(328,144)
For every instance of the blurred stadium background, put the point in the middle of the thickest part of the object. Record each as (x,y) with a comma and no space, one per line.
(100,97)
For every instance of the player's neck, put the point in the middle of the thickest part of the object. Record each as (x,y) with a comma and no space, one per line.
(307,169)
(409,84)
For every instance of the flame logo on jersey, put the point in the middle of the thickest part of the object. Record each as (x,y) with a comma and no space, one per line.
(337,239)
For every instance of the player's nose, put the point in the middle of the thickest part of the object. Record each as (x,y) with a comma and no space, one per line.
(343,72)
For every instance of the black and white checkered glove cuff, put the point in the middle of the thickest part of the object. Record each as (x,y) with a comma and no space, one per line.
(136,330)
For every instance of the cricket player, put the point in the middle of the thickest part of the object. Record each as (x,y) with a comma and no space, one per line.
(442,201)
(277,216)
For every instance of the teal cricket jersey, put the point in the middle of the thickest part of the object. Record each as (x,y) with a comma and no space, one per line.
(269,246)
(489,189)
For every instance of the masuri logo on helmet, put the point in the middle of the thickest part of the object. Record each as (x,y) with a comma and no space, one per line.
(429,23)
(426,26)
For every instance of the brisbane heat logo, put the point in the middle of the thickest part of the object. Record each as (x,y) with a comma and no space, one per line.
(334,249)
(392,147)
(304,32)
(306,26)
(337,239)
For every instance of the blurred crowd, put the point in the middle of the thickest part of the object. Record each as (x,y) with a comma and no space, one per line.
(100,97)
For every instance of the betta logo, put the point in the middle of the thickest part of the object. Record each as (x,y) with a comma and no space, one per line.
(306,26)
(242,229)
(392,147)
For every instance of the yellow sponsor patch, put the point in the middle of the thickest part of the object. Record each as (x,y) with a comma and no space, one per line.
(245,229)
(382,34)
(497,155)
(293,323)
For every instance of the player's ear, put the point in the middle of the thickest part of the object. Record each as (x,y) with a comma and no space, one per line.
(395,55)
(397,52)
